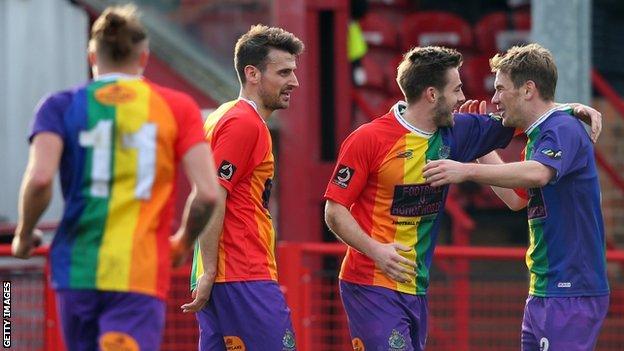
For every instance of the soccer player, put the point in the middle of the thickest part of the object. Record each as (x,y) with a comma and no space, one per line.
(234,267)
(380,205)
(117,141)
(568,291)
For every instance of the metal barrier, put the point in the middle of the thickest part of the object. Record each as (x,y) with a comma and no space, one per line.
(476,307)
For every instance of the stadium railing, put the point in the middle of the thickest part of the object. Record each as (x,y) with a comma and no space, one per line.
(476,300)
(476,297)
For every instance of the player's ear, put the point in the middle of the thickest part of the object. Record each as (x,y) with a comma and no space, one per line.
(431,94)
(252,74)
(529,90)
(92,57)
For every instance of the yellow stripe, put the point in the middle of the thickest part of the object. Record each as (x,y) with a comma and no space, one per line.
(116,250)
(412,171)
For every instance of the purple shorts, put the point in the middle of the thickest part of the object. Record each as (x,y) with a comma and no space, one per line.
(563,323)
(384,319)
(101,320)
(246,316)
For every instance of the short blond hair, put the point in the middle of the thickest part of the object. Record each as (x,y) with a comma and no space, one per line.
(530,62)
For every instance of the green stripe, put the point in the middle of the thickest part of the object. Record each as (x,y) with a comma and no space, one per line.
(85,252)
(539,256)
(423,230)
(196,257)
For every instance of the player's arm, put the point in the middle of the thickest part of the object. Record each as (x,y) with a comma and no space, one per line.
(509,196)
(199,168)
(589,116)
(341,222)
(525,174)
(36,191)
(209,251)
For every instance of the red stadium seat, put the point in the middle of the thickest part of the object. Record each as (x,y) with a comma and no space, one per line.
(436,28)
(374,73)
(490,26)
(379,31)
(477,78)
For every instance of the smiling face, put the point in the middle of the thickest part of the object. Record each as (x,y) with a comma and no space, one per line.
(508,100)
(452,97)
(278,80)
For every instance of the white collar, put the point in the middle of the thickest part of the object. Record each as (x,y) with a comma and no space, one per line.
(116,75)
(542,118)
(399,109)
(252,104)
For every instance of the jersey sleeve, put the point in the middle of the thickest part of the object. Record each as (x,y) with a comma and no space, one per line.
(477,135)
(49,115)
(564,148)
(352,169)
(236,145)
(190,126)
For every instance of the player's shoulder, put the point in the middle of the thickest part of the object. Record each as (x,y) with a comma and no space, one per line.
(59,100)
(562,122)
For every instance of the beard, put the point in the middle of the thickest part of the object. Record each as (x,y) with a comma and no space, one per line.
(443,114)
(272,101)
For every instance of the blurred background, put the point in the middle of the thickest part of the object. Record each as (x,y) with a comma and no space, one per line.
(347,77)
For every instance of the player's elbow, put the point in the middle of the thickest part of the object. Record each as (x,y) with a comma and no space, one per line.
(40,180)
(331,214)
(539,176)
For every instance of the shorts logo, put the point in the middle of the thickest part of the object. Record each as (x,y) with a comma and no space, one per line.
(552,154)
(116,341)
(226,170)
(358,344)
(288,340)
(233,343)
(343,176)
(564,285)
(396,341)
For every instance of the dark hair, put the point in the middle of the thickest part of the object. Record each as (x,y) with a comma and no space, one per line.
(252,48)
(530,62)
(116,33)
(424,67)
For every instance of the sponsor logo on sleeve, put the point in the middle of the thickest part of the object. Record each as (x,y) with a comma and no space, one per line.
(226,170)
(555,155)
(343,176)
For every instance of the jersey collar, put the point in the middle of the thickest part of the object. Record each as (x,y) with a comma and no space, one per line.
(542,118)
(399,109)
(254,106)
(113,76)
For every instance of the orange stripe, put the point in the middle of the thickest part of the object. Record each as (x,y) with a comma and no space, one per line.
(391,172)
(265,229)
(150,254)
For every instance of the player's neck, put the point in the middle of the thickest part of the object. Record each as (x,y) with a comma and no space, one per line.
(262,110)
(537,110)
(129,70)
(420,116)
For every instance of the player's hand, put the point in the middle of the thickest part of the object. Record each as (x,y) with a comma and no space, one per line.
(23,246)
(179,249)
(442,172)
(201,294)
(395,266)
(585,113)
(473,106)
